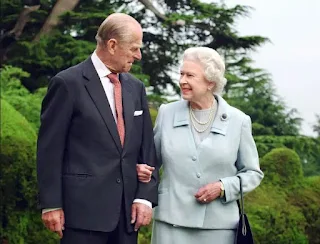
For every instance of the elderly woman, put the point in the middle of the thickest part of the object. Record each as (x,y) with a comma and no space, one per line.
(204,145)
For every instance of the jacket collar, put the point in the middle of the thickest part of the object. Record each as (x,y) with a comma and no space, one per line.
(220,122)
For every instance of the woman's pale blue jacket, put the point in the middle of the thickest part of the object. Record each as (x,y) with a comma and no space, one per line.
(228,152)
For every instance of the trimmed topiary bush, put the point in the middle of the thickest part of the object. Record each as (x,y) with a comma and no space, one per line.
(20,220)
(273,217)
(282,167)
(308,149)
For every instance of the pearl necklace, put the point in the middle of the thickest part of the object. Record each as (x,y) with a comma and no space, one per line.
(207,123)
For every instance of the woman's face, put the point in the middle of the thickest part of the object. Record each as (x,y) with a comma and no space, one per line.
(193,83)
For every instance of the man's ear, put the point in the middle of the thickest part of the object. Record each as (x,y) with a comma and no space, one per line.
(111,45)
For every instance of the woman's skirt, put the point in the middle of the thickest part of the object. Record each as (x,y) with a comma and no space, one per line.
(164,233)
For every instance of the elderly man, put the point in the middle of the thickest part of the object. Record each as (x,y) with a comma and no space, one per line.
(95,129)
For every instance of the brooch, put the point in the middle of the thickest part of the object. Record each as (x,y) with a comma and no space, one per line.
(224,117)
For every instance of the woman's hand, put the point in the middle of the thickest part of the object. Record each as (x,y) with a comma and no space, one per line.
(209,192)
(144,172)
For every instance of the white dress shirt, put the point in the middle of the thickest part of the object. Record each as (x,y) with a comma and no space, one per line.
(108,87)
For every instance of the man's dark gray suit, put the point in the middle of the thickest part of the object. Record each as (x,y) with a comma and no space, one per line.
(82,166)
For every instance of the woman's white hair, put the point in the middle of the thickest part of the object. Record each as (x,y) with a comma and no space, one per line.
(212,64)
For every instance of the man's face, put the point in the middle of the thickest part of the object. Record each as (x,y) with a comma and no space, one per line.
(127,52)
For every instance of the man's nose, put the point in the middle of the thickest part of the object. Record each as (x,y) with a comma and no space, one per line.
(138,55)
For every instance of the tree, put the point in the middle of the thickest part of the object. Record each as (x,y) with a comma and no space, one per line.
(10,36)
(316,126)
(38,43)
(73,39)
(206,24)
(251,90)
(52,21)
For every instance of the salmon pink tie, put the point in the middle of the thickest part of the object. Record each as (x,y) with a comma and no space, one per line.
(118,102)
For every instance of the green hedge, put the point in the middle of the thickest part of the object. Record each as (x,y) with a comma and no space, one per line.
(21,221)
(284,209)
(307,199)
(273,219)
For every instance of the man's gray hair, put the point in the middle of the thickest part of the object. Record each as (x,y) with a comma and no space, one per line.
(212,64)
(115,26)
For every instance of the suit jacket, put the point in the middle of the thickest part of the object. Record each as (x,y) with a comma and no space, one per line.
(81,164)
(229,151)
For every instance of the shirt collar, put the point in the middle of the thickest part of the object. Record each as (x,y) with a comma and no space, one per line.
(100,67)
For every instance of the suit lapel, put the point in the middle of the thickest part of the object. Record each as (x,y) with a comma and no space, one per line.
(128,105)
(97,94)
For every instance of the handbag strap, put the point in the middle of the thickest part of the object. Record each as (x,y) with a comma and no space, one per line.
(242,213)
(241,198)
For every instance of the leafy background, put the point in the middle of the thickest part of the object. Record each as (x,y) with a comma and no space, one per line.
(40,38)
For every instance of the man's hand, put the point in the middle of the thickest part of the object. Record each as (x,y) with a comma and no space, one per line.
(141,215)
(144,172)
(54,221)
(208,193)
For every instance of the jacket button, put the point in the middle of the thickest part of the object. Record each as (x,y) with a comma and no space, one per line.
(194,158)
(118,181)
(198,175)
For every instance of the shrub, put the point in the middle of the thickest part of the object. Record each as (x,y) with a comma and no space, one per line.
(153,114)
(273,219)
(282,167)
(20,220)
(307,198)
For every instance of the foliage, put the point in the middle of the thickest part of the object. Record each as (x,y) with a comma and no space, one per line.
(206,24)
(145,235)
(274,219)
(307,198)
(153,114)
(18,214)
(259,129)
(251,90)
(73,40)
(316,126)
(13,91)
(282,167)
(307,148)
(284,209)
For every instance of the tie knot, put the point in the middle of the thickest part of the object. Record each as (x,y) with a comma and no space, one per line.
(113,77)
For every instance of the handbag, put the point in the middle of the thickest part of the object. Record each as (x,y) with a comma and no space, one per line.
(243,234)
